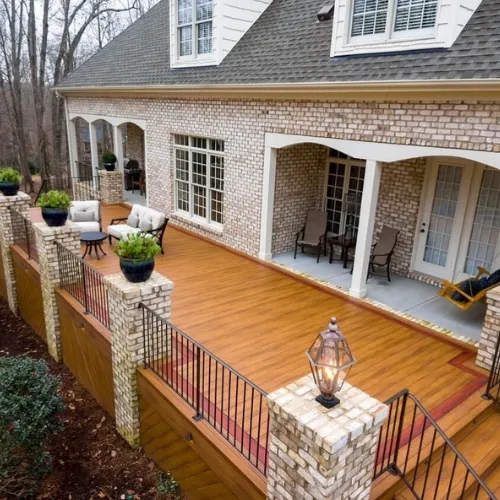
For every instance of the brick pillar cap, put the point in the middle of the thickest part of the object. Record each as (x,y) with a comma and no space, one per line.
(494,293)
(102,173)
(46,230)
(332,429)
(9,200)
(119,285)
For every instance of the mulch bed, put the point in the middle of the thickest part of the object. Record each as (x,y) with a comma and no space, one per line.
(91,460)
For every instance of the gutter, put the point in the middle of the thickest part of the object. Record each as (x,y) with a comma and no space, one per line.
(387,89)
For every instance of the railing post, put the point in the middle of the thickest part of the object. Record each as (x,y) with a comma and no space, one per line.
(199,414)
(85,290)
(322,453)
(128,342)
(50,277)
(394,465)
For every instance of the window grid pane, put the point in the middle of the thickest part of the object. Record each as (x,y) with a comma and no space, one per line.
(486,227)
(334,196)
(415,14)
(203,10)
(369,17)
(205,38)
(185,12)
(186,41)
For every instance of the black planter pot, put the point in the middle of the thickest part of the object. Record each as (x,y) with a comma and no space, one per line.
(137,271)
(9,188)
(110,167)
(55,217)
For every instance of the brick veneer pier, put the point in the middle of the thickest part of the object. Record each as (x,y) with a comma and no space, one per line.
(127,347)
(490,332)
(69,236)
(111,186)
(318,453)
(20,203)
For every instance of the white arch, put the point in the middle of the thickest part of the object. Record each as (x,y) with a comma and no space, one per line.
(113,120)
(382,152)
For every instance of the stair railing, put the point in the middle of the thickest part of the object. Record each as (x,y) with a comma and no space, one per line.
(413,447)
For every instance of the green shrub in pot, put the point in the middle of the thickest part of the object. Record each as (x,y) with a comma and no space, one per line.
(9,181)
(137,254)
(109,160)
(55,206)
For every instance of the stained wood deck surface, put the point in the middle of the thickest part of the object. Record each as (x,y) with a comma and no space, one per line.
(261,321)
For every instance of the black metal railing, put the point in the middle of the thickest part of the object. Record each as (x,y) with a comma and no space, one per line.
(79,188)
(414,447)
(84,284)
(24,236)
(493,387)
(235,407)
(84,170)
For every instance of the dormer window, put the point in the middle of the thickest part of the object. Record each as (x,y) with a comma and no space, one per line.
(194,28)
(392,19)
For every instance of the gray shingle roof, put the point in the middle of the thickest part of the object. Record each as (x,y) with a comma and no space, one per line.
(287,45)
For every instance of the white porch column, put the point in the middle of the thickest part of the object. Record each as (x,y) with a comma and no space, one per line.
(266,223)
(72,147)
(93,149)
(118,146)
(365,229)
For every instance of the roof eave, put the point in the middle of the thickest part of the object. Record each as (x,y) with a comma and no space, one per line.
(484,88)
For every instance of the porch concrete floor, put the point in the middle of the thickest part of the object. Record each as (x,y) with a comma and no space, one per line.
(134,198)
(403,294)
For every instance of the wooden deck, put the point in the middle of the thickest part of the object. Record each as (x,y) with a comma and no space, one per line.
(261,321)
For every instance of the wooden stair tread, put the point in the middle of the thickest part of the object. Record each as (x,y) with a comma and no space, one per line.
(455,424)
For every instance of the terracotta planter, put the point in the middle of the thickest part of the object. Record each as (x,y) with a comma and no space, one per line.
(137,271)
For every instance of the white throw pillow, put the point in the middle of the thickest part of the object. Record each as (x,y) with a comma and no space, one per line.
(82,216)
(145,225)
(133,220)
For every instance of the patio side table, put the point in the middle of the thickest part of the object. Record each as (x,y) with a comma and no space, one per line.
(93,241)
(345,244)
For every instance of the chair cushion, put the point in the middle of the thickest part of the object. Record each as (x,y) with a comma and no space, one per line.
(81,216)
(156,218)
(133,220)
(308,243)
(91,206)
(145,225)
(88,227)
(118,230)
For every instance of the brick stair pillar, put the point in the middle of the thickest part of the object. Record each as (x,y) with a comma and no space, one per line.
(111,186)
(127,345)
(491,331)
(8,230)
(69,236)
(317,453)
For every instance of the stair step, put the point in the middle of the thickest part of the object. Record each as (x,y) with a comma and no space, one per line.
(457,424)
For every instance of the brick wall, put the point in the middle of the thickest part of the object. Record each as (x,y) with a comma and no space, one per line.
(135,144)
(243,124)
(300,176)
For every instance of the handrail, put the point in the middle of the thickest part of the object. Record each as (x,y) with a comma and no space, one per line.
(389,448)
(81,187)
(23,233)
(233,405)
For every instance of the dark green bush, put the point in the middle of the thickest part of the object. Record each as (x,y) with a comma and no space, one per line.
(137,247)
(108,157)
(30,412)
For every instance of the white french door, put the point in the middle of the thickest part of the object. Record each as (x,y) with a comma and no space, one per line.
(443,216)
(460,223)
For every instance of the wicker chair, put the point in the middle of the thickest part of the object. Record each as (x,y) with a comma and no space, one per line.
(313,234)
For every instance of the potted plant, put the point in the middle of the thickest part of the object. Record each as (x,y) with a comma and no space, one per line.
(9,181)
(137,256)
(54,205)
(109,160)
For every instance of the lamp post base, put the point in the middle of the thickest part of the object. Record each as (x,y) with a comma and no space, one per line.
(327,403)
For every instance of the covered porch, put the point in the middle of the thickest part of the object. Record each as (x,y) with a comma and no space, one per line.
(443,203)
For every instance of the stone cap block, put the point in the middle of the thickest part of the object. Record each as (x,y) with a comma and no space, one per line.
(494,293)
(114,173)
(12,200)
(120,286)
(330,429)
(45,230)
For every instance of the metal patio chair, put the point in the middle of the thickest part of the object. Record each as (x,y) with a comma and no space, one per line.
(382,250)
(313,234)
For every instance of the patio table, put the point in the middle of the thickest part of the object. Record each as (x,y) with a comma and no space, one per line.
(345,243)
(93,241)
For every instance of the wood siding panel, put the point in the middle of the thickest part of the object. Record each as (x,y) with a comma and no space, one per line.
(86,349)
(181,446)
(29,291)
(3,286)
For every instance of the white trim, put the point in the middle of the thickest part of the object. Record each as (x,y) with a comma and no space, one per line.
(113,120)
(72,141)
(267,212)
(93,149)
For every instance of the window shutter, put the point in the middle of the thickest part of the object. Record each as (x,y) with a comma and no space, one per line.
(369,17)
(415,14)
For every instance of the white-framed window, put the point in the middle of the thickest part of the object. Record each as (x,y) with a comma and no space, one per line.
(392,19)
(199,178)
(194,28)
(344,188)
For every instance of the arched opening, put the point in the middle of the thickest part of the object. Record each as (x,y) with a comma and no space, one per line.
(83,148)
(104,140)
(134,163)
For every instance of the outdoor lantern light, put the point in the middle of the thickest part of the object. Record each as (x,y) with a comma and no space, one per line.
(331,359)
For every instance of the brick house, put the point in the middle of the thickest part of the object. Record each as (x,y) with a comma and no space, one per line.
(245,114)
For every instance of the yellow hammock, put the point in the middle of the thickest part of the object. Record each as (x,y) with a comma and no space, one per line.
(449,289)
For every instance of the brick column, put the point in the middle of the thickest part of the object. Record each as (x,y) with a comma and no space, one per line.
(111,186)
(69,236)
(490,332)
(126,324)
(21,203)
(319,454)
